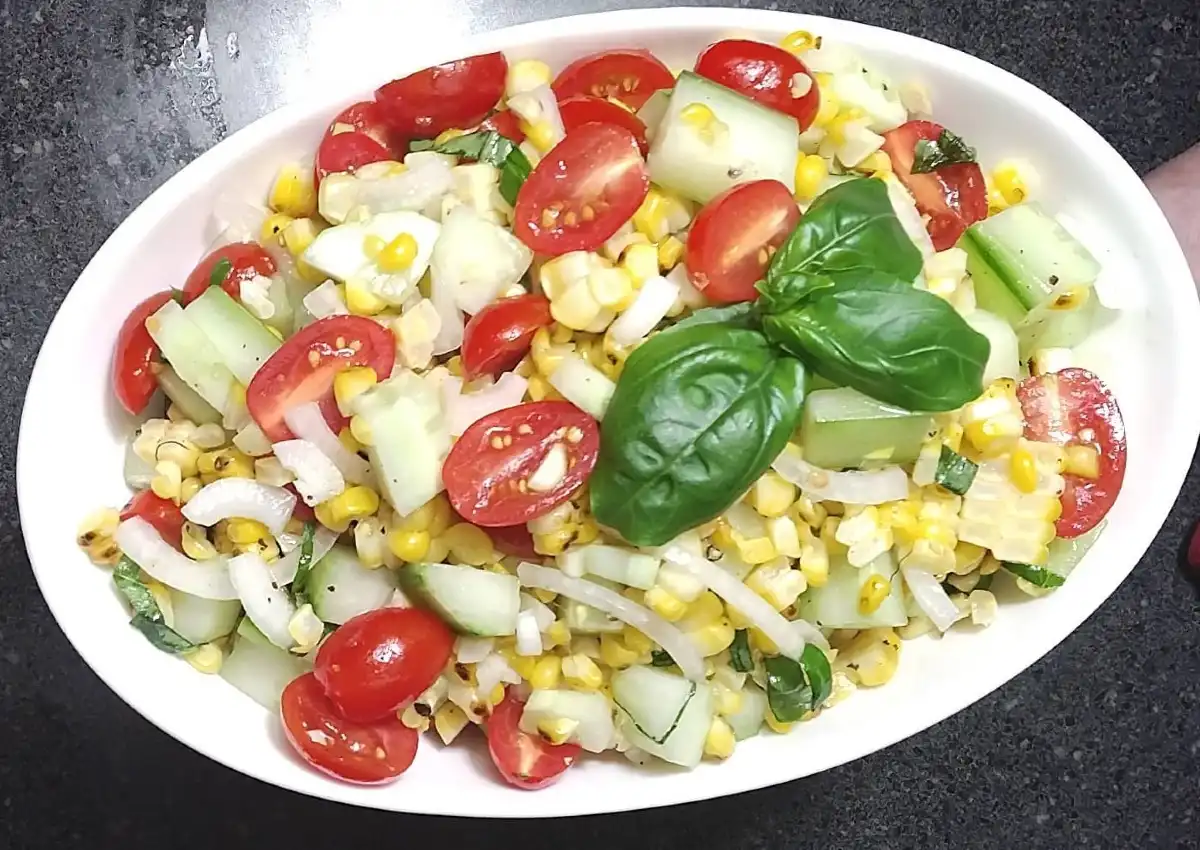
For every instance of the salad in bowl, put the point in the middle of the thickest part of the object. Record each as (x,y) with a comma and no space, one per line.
(623,408)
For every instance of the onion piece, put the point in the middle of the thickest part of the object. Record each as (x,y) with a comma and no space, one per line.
(465,409)
(931,597)
(472,650)
(539,105)
(542,615)
(653,301)
(241,497)
(443,294)
(267,605)
(307,423)
(491,671)
(529,635)
(284,569)
(252,441)
(163,562)
(325,301)
(671,639)
(853,487)
(317,477)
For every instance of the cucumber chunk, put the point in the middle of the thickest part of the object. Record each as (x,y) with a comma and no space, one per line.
(844,428)
(748,720)
(472,601)
(590,711)
(203,620)
(663,714)
(259,669)
(243,342)
(615,563)
(189,401)
(193,356)
(834,605)
(340,587)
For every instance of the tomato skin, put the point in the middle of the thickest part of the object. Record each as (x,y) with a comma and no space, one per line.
(506,124)
(362,753)
(631,76)
(377,662)
(581,109)
(247,260)
(499,335)
(133,379)
(161,513)
(763,72)
(727,239)
(554,204)
(514,540)
(1062,407)
(288,378)
(524,760)
(367,117)
(457,94)
(347,152)
(481,480)
(954,197)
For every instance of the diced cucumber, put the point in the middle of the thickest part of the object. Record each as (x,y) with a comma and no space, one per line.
(1004,359)
(663,714)
(193,356)
(243,342)
(583,385)
(624,566)
(749,718)
(203,620)
(653,110)
(834,605)
(955,472)
(261,670)
(246,630)
(1051,327)
(590,710)
(1064,554)
(751,142)
(340,587)
(189,401)
(472,601)
(844,428)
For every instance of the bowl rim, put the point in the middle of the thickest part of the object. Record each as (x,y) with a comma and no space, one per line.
(681,20)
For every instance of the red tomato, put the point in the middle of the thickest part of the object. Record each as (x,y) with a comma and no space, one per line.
(458,94)
(765,73)
(364,753)
(133,380)
(367,117)
(484,482)
(506,124)
(514,540)
(590,184)
(734,236)
(290,376)
(583,109)
(161,513)
(498,336)
(347,152)
(301,511)
(381,660)
(242,261)
(524,760)
(954,197)
(631,76)
(1074,407)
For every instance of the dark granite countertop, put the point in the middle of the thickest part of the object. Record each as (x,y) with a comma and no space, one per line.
(1096,746)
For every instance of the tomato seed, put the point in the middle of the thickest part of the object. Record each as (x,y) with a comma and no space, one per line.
(497,443)
(507,440)
(587,212)
(340,342)
(524,429)
(523,486)
(356,346)
(314,358)
(763,256)
(570,219)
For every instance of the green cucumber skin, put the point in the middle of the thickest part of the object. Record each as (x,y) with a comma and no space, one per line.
(243,342)
(468,599)
(859,427)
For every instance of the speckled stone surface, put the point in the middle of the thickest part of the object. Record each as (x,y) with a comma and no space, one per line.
(1096,746)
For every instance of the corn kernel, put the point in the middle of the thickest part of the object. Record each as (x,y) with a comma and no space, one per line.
(799,41)
(640,262)
(539,134)
(557,635)
(544,596)
(871,658)
(95,536)
(872,593)
(298,235)
(419,519)
(706,609)
(811,171)
(771,495)
(349,384)
(558,730)
(469,544)
(1022,470)
(196,544)
(449,721)
(760,641)
(206,658)
(698,115)
(523,665)
(714,638)
(273,227)
(293,192)
(650,219)
(555,542)
(228,462)
(526,75)
(410,546)
(728,701)
(188,488)
(1010,183)
(669,607)
(353,503)
(878,163)
(582,672)
(611,288)
(1083,461)
(757,550)
(413,719)
(167,482)
(776,725)
(547,673)
(361,301)
(615,654)
(670,252)
(719,742)
(246,531)
(447,135)
(635,641)
(399,254)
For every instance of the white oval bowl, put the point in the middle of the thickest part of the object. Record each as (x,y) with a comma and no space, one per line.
(71,423)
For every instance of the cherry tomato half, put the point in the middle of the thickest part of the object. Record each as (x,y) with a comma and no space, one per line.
(456,94)
(485,483)
(590,184)
(367,117)
(506,124)
(161,513)
(304,367)
(764,72)
(734,236)
(239,260)
(363,753)
(581,109)
(379,661)
(1074,407)
(347,152)
(954,196)
(514,540)
(630,76)
(498,336)
(132,378)
(525,760)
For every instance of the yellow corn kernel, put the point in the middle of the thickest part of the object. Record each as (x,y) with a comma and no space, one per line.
(555,542)
(706,609)
(871,595)
(878,163)
(419,519)
(811,171)
(723,538)
(771,495)
(360,430)
(650,220)
(719,742)
(636,641)
(728,702)
(167,482)
(399,254)
(410,546)
(539,134)
(615,654)
(273,227)
(293,192)
(447,135)
(349,384)
(670,252)
(188,488)
(298,235)
(640,262)
(438,551)
(714,638)
(361,301)
(185,455)
(540,389)
(665,605)
(442,516)
(582,672)
(228,462)
(757,550)
(95,536)
(612,289)
(837,127)
(526,75)
(469,544)
(246,531)
(1022,470)
(449,720)
(413,719)
(353,503)
(547,673)
(1009,182)
(195,543)
(871,658)
(760,641)
(523,665)
(799,41)
(557,635)
(776,725)
(830,104)
(1083,461)
(206,658)
(496,695)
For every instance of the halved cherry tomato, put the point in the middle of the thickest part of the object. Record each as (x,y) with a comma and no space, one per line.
(630,76)
(239,260)
(506,124)
(954,196)
(525,760)
(364,753)
(367,117)
(347,152)
(589,185)
(765,73)
(457,94)
(583,109)
(1074,407)
(734,236)
(304,367)
(498,336)
(485,482)
(161,513)
(301,511)
(514,540)
(381,660)
(132,378)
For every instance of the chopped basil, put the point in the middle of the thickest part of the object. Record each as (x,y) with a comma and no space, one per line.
(661,658)
(985,582)
(147,616)
(220,271)
(740,658)
(304,566)
(948,149)
(796,688)
(955,472)
(490,147)
(1035,575)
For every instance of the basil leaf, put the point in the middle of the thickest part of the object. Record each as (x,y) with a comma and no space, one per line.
(220,271)
(304,565)
(820,677)
(948,149)
(794,688)
(887,339)
(661,658)
(849,231)
(513,174)
(742,315)
(740,658)
(1035,575)
(161,635)
(698,415)
(955,472)
(490,147)
(147,617)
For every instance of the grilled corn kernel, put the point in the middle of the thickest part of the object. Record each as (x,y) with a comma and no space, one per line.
(353,503)
(555,542)
(719,742)
(635,640)
(811,171)
(167,482)
(615,654)
(469,544)
(776,725)
(95,536)
(799,41)
(771,495)
(669,607)
(728,702)
(1083,461)
(449,720)
(1010,183)
(714,638)
(293,192)
(349,384)
(273,227)
(557,635)
(670,252)
(704,610)
(184,453)
(410,546)
(1022,470)
(871,658)
(196,544)
(413,719)
(228,462)
(872,593)
(546,674)
(206,658)
(399,254)
(582,672)
(246,531)
(641,262)
(756,550)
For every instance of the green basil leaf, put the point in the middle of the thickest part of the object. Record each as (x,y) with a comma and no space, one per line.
(147,617)
(513,174)
(955,472)
(795,688)
(818,672)
(985,582)
(887,339)
(744,314)
(161,635)
(490,147)
(1035,575)
(948,149)
(698,415)
(740,658)
(220,271)
(304,565)
(849,231)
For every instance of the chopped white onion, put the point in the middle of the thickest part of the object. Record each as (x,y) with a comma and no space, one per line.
(931,597)
(252,441)
(529,635)
(227,498)
(550,471)
(671,639)
(307,423)
(689,295)
(852,487)
(538,106)
(493,670)
(140,541)
(465,409)
(325,301)
(267,605)
(317,477)
(653,301)
(909,216)
(542,615)
(284,569)
(442,294)
(471,650)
